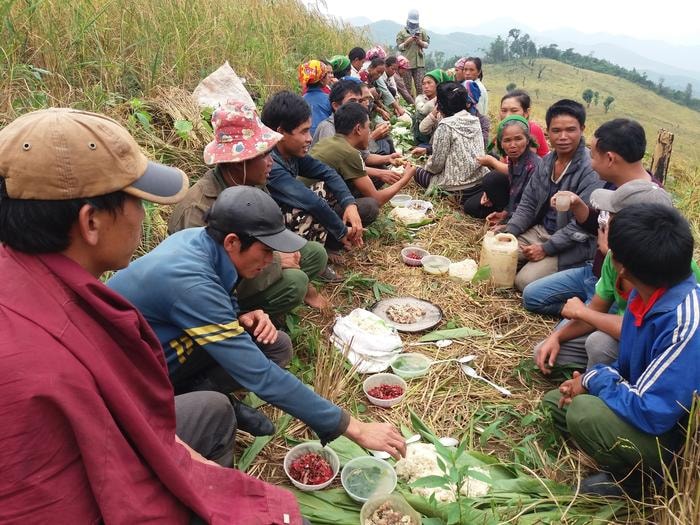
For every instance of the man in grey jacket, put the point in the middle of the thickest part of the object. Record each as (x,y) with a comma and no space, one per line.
(550,239)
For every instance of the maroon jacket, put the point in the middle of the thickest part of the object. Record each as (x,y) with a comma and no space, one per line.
(87,418)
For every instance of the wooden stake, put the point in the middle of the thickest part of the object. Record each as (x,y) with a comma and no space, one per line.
(662,155)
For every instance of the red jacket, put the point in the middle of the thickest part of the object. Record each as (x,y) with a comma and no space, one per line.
(87,419)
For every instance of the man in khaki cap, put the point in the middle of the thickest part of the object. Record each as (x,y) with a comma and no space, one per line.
(87,414)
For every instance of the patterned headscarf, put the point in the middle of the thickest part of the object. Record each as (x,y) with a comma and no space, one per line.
(460,63)
(311,72)
(375,52)
(403,62)
(511,120)
(473,93)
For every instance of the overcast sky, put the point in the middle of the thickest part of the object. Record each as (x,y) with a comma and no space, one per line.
(673,21)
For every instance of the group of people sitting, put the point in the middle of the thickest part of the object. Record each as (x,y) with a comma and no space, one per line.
(117,401)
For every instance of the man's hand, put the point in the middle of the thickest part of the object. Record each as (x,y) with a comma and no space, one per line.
(573,308)
(547,354)
(352,218)
(290,260)
(495,218)
(377,436)
(534,252)
(257,323)
(381,131)
(396,159)
(388,176)
(417,152)
(570,389)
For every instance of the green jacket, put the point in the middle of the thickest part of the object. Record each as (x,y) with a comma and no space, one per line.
(412,51)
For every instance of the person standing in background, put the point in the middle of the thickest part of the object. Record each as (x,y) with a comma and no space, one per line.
(411,41)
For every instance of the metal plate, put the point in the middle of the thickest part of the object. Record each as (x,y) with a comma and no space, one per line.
(432,317)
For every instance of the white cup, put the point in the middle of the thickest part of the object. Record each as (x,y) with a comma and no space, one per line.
(562,202)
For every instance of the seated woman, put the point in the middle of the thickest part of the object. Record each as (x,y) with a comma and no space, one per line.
(313,79)
(500,193)
(470,69)
(341,66)
(517,102)
(426,102)
(456,144)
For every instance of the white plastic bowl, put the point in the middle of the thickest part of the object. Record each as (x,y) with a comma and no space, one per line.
(384,379)
(436,264)
(375,477)
(305,448)
(397,503)
(414,365)
(413,249)
(400,199)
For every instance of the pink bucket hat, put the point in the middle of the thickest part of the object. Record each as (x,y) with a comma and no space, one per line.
(239,135)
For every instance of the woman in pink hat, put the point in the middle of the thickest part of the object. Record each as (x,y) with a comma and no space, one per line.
(240,154)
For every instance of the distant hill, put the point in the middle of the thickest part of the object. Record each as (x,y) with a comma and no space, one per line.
(452,44)
(560,80)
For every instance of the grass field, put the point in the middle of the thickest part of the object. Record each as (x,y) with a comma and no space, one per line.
(136,62)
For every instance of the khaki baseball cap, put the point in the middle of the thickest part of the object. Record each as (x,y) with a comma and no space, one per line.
(60,154)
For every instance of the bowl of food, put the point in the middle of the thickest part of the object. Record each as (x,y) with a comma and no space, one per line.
(384,390)
(400,199)
(436,264)
(412,255)
(311,466)
(366,477)
(420,205)
(383,510)
(410,365)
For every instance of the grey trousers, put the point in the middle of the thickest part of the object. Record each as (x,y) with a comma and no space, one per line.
(531,271)
(206,422)
(596,348)
(367,209)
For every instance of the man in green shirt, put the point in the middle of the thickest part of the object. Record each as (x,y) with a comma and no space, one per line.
(342,153)
(411,41)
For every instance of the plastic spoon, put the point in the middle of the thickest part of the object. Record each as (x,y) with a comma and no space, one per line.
(385,455)
(461,360)
(440,343)
(473,373)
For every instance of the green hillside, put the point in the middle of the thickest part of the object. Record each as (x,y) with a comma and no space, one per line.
(560,80)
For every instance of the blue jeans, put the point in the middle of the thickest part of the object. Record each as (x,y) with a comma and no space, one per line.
(548,295)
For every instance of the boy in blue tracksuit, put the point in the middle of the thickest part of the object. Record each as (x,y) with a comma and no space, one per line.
(626,415)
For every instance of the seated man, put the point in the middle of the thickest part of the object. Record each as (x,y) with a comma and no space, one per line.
(342,153)
(551,241)
(590,334)
(88,423)
(617,151)
(238,160)
(629,414)
(315,200)
(182,288)
(345,91)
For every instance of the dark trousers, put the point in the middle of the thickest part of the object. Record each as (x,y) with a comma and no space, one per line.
(201,372)
(368,210)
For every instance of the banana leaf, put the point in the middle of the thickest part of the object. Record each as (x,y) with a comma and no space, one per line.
(250,453)
(454,333)
(328,507)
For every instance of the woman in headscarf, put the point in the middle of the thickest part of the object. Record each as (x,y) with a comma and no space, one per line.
(470,69)
(500,194)
(312,77)
(340,65)
(456,144)
(426,103)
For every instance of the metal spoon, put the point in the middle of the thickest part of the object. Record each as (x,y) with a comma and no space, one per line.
(473,373)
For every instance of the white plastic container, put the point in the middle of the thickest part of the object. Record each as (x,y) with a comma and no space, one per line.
(384,379)
(500,252)
(366,477)
(305,448)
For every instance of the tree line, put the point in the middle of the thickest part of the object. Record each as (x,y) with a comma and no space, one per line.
(518,45)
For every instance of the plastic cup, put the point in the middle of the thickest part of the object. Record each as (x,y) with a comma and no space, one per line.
(563,202)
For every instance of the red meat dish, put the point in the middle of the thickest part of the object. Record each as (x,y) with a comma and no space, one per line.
(310,469)
(414,256)
(386,391)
